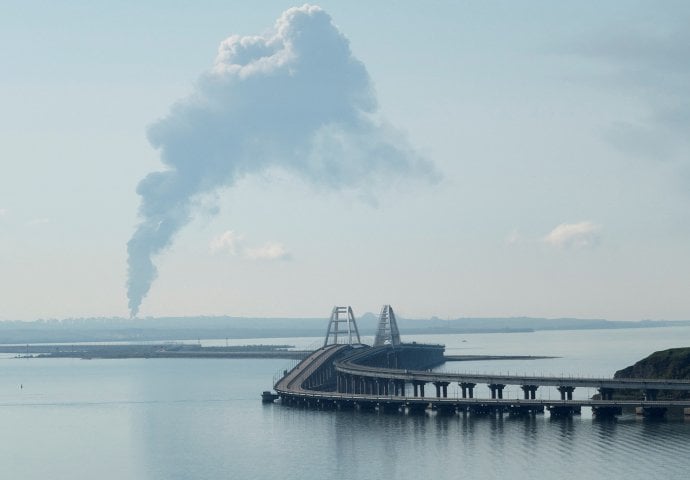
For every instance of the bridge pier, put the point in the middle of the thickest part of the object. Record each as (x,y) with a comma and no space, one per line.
(481,409)
(606,411)
(441,389)
(467,388)
(651,412)
(566,392)
(400,387)
(344,405)
(496,390)
(564,410)
(606,393)
(365,405)
(416,408)
(443,409)
(650,394)
(389,407)
(530,391)
(518,410)
(418,387)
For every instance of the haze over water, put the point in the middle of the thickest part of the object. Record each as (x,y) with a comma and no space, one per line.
(202,419)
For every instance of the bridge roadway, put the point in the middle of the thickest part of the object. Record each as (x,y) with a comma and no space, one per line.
(349,367)
(304,385)
(293,381)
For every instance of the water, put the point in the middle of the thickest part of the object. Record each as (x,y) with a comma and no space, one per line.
(168,419)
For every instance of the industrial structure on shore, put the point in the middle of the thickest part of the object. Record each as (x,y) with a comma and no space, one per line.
(392,376)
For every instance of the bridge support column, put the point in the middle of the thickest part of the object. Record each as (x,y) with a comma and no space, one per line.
(400,387)
(441,389)
(566,392)
(650,394)
(371,385)
(418,388)
(467,388)
(563,410)
(651,412)
(606,411)
(606,393)
(530,391)
(496,390)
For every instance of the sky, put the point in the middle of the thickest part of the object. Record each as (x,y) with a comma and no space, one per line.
(450,158)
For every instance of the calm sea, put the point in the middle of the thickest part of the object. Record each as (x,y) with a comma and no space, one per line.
(203,419)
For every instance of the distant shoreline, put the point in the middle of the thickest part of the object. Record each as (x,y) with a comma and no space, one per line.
(171,350)
(161,350)
(167,329)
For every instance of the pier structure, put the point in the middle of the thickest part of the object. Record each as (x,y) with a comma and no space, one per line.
(392,376)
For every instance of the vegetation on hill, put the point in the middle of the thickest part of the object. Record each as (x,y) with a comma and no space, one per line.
(666,364)
(673,363)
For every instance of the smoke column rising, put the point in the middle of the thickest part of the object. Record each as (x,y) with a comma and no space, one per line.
(295,99)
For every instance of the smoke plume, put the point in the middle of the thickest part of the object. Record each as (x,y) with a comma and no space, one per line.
(294,99)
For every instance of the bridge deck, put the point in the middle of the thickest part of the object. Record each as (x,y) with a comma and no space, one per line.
(426,376)
(292,382)
(290,387)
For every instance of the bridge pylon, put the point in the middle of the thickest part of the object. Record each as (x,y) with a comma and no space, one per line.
(387,332)
(342,327)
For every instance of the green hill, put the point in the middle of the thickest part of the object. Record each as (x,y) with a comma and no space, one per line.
(666,364)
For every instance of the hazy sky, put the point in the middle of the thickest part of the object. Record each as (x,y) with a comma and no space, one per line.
(462,159)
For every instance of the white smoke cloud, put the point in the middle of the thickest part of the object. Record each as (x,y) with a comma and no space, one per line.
(514,237)
(576,235)
(295,99)
(226,242)
(232,243)
(269,251)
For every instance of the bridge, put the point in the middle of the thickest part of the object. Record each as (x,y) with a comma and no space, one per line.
(392,376)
